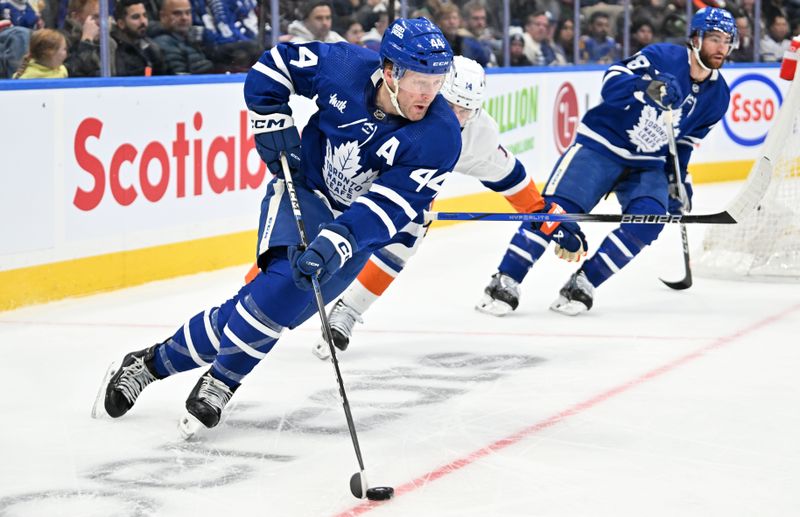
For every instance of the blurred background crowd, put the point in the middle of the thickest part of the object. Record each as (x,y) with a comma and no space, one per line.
(90,38)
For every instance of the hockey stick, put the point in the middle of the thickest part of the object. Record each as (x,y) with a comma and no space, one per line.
(686,281)
(358,481)
(744,203)
(718,218)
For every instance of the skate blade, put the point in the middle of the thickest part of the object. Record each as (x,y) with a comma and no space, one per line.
(321,350)
(189,427)
(99,407)
(568,307)
(489,305)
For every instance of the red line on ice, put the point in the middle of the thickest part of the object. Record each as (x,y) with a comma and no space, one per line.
(580,407)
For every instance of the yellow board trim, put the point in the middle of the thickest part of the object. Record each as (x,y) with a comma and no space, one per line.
(90,275)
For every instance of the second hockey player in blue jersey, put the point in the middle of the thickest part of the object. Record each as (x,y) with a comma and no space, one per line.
(371,160)
(621,147)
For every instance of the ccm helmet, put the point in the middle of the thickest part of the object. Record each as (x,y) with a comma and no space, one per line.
(714,19)
(416,44)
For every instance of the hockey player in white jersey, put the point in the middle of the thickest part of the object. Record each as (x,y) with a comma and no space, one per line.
(372,159)
(621,147)
(482,157)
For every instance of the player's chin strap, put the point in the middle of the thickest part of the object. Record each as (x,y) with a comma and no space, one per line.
(393,93)
(696,51)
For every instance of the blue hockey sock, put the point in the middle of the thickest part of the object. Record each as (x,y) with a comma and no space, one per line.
(193,345)
(614,253)
(526,246)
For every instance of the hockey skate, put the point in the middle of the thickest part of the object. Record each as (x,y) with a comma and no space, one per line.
(575,297)
(342,319)
(122,385)
(204,405)
(500,297)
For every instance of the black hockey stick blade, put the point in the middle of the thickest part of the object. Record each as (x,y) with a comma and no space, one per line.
(686,281)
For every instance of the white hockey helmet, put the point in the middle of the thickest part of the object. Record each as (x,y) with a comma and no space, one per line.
(465,84)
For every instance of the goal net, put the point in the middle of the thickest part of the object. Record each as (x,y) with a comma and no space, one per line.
(765,245)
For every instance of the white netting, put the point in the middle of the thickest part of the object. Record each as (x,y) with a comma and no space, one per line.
(765,245)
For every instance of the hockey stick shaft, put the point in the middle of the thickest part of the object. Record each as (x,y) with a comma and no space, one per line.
(717,218)
(323,316)
(686,282)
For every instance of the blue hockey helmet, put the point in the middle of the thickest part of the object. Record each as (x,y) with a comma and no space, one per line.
(715,19)
(417,44)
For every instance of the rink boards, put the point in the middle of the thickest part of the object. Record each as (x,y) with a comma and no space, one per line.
(116,182)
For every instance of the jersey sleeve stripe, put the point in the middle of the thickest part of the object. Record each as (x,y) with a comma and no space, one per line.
(279,62)
(275,76)
(622,69)
(382,215)
(395,198)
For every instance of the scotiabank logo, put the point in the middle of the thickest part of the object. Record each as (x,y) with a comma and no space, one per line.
(755,101)
(159,169)
(565,117)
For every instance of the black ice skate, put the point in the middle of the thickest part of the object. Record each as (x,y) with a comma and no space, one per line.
(342,319)
(205,404)
(127,382)
(500,297)
(575,297)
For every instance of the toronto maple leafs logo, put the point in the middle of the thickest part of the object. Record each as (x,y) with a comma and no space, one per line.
(649,134)
(342,171)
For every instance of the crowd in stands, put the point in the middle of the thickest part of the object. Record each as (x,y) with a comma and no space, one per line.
(61,38)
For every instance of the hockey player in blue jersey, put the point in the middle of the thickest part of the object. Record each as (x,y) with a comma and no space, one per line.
(621,147)
(372,159)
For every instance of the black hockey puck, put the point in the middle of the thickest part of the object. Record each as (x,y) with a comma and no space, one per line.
(380,493)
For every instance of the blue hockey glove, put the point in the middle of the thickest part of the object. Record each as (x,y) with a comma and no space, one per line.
(680,200)
(570,240)
(664,92)
(324,256)
(275,133)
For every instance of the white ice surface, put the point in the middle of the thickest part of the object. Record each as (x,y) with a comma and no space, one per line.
(656,402)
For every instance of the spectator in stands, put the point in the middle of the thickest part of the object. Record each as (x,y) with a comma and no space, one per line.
(378,21)
(316,24)
(82,29)
(354,32)
(538,48)
(230,33)
(180,42)
(344,11)
(564,43)
(776,41)
(654,11)
(45,59)
(476,19)
(673,29)
(136,53)
(13,47)
(745,53)
(642,34)
(598,47)
(516,50)
(448,18)
(20,13)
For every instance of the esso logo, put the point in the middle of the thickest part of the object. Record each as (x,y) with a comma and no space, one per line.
(755,101)
(565,117)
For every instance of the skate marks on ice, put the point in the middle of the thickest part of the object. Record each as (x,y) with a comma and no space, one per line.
(382,396)
(130,487)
